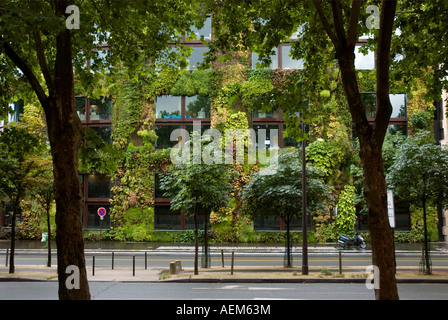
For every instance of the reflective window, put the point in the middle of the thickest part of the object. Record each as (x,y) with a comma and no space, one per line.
(168,107)
(166,219)
(288,62)
(196,58)
(80,103)
(205,31)
(197,106)
(364,62)
(98,186)
(274,60)
(267,114)
(271,223)
(100,109)
(94,220)
(104,133)
(398,102)
(163,133)
(267,131)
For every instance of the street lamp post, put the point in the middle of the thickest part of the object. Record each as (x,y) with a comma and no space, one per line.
(304,222)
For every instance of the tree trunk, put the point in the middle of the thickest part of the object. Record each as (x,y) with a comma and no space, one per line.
(196,242)
(205,241)
(64,131)
(288,247)
(425,229)
(380,232)
(48,235)
(13,235)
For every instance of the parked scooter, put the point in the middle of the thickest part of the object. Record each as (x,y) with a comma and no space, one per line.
(358,240)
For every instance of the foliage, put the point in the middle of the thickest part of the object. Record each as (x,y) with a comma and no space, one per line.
(346,218)
(280,192)
(420,170)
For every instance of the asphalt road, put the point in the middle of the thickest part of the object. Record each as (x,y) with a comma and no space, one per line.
(123,259)
(221,291)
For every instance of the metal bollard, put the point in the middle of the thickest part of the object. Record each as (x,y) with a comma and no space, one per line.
(222,258)
(233,259)
(340,262)
(146,260)
(93,266)
(113,259)
(133,266)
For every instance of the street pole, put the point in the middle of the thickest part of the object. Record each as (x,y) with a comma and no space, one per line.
(304,222)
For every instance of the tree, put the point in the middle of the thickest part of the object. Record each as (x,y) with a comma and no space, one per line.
(43,191)
(280,193)
(420,175)
(265,24)
(19,165)
(43,42)
(194,186)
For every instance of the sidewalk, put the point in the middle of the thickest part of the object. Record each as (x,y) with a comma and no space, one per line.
(218,274)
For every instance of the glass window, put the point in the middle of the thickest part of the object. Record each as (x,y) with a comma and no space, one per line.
(398,128)
(196,58)
(364,62)
(287,61)
(98,186)
(268,128)
(197,106)
(398,102)
(94,220)
(104,133)
(274,60)
(166,219)
(168,107)
(163,133)
(369,103)
(158,193)
(271,223)
(267,114)
(80,103)
(190,129)
(101,109)
(205,31)
(189,220)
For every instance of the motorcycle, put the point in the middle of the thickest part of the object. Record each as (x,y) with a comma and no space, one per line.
(358,240)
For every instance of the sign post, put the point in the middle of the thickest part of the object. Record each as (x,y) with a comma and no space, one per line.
(101,212)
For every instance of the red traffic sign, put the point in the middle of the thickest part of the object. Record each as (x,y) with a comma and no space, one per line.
(101,211)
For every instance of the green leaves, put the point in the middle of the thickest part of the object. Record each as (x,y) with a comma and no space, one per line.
(281,193)
(420,170)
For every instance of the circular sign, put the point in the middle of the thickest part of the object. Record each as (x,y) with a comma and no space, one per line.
(101,211)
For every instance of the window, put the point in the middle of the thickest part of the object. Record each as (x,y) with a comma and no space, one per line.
(98,186)
(271,223)
(274,60)
(287,61)
(166,219)
(364,62)
(205,31)
(100,109)
(168,107)
(398,101)
(197,106)
(104,132)
(80,103)
(268,134)
(196,57)
(268,114)
(94,220)
(164,134)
